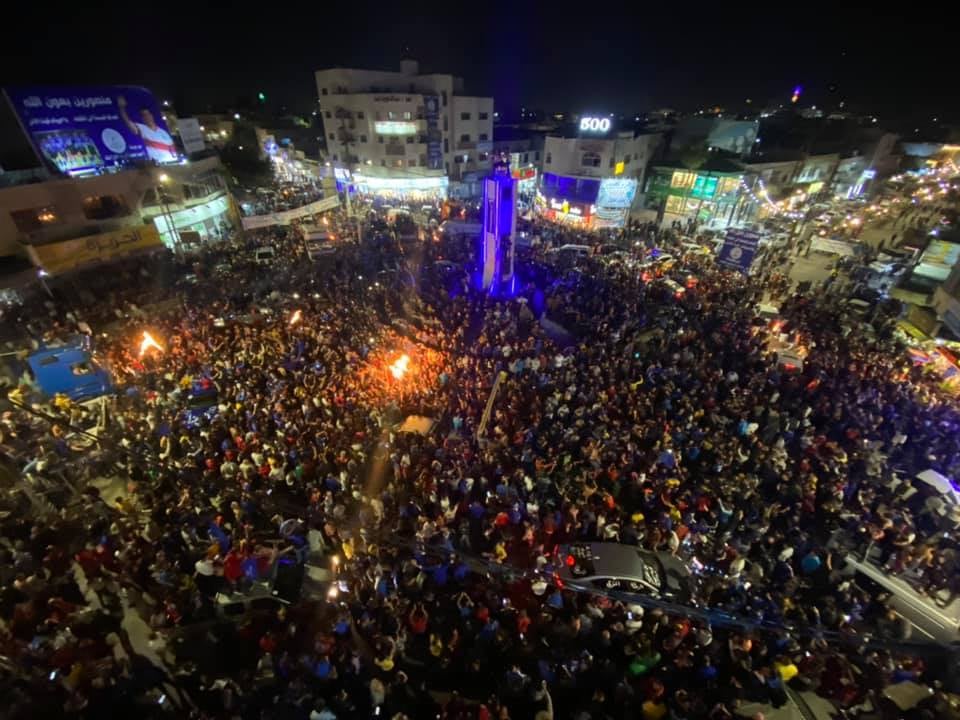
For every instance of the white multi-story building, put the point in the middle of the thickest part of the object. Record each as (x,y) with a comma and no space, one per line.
(397,125)
(593,177)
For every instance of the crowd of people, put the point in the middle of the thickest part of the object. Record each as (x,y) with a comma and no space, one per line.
(660,421)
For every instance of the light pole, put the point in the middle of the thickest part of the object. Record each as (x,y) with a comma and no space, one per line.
(165,209)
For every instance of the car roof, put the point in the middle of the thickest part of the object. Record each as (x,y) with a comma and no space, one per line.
(615,559)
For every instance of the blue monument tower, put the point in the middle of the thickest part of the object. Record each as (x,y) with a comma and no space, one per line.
(499,226)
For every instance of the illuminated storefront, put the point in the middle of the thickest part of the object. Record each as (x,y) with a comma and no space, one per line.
(413,188)
(593,202)
(203,222)
(707,195)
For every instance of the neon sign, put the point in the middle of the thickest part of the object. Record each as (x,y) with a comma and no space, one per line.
(594,124)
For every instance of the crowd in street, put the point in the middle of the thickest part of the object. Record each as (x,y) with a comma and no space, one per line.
(663,422)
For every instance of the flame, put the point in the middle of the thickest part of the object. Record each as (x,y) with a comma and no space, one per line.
(399,368)
(148,342)
(295,318)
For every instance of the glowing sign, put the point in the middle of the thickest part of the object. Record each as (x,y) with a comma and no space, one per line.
(594,124)
(395,127)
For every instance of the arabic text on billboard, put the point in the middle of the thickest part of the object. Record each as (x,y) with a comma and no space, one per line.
(62,256)
(739,247)
(616,192)
(85,129)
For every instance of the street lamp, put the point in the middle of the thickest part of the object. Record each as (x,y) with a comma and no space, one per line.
(165,209)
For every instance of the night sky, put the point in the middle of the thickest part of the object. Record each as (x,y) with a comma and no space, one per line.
(606,58)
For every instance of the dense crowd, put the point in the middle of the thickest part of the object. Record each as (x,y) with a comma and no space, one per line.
(659,421)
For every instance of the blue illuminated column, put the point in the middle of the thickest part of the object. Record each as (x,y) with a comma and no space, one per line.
(499,226)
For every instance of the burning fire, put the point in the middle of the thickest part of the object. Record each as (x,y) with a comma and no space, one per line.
(399,368)
(148,342)
(295,318)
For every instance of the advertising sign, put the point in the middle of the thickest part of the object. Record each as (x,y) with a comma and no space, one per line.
(704,186)
(617,192)
(737,136)
(86,129)
(938,259)
(595,124)
(739,247)
(431,105)
(288,216)
(71,254)
(191,135)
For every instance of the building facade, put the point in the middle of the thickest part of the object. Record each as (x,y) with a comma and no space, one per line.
(186,204)
(405,125)
(592,179)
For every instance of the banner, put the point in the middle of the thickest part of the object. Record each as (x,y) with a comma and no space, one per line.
(191,135)
(739,247)
(434,138)
(60,257)
(85,129)
(287,216)
(616,192)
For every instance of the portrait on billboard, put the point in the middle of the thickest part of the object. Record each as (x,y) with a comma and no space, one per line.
(88,129)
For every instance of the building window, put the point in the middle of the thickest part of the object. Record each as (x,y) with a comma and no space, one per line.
(674,204)
(323,91)
(482,137)
(446,145)
(332,136)
(380,139)
(359,114)
(383,163)
(327,114)
(458,159)
(411,163)
(445,128)
(464,116)
(379,115)
(590,159)
(484,116)
(465,137)
(33,219)
(536,156)
(409,139)
(363,138)
(483,157)
(443,95)
(102,207)
(407,115)
(549,159)
(728,185)
(611,161)
(335,157)
(526,157)
(682,179)
(626,160)
(398,163)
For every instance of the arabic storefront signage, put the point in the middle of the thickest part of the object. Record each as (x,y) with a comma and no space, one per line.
(288,216)
(72,254)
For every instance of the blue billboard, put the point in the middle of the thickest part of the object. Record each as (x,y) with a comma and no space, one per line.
(85,129)
(432,113)
(739,247)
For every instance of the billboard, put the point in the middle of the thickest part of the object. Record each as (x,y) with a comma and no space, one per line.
(616,192)
(739,247)
(287,216)
(431,105)
(736,136)
(938,259)
(191,135)
(89,128)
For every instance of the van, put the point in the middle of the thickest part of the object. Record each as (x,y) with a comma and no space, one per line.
(929,622)
(264,255)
